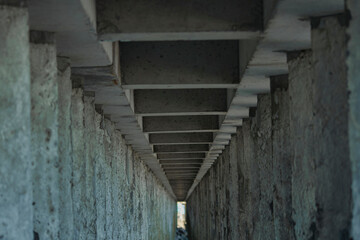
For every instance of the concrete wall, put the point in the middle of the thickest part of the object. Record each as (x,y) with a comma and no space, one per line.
(65,172)
(354,106)
(293,166)
(44,134)
(15,149)
(115,196)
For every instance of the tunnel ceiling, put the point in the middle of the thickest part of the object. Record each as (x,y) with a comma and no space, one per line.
(177,102)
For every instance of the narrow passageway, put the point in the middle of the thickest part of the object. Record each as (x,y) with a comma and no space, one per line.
(185,120)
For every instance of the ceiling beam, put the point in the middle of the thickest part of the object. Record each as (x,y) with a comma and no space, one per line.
(141,20)
(181,148)
(179,102)
(179,65)
(180,156)
(180,124)
(181,138)
(179,162)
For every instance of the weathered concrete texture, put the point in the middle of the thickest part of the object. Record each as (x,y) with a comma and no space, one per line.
(44,135)
(15,104)
(330,110)
(263,149)
(282,158)
(250,171)
(234,190)
(121,198)
(354,114)
(65,148)
(90,150)
(78,164)
(209,204)
(235,199)
(244,175)
(175,20)
(301,130)
(183,64)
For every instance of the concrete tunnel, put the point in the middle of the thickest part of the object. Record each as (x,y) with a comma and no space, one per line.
(112,111)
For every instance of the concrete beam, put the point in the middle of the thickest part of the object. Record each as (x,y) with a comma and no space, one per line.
(180,138)
(181,148)
(179,162)
(180,181)
(180,156)
(159,102)
(175,166)
(172,124)
(180,186)
(141,20)
(74,23)
(186,64)
(184,168)
(181,175)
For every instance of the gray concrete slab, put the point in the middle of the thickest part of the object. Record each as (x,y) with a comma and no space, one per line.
(180,138)
(180,156)
(74,22)
(184,64)
(172,124)
(180,102)
(182,148)
(140,20)
(174,162)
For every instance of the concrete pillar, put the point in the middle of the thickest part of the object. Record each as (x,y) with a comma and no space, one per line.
(330,110)
(44,136)
(117,177)
(100,182)
(65,148)
(90,152)
(78,165)
(243,181)
(234,201)
(282,158)
(109,153)
(354,113)
(301,131)
(252,221)
(15,104)
(264,159)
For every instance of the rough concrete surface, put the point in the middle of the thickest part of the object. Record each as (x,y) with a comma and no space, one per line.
(301,129)
(44,135)
(121,198)
(15,104)
(293,159)
(354,113)
(65,147)
(330,108)
(249,208)
(78,163)
(235,199)
(244,174)
(210,204)
(282,158)
(263,149)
